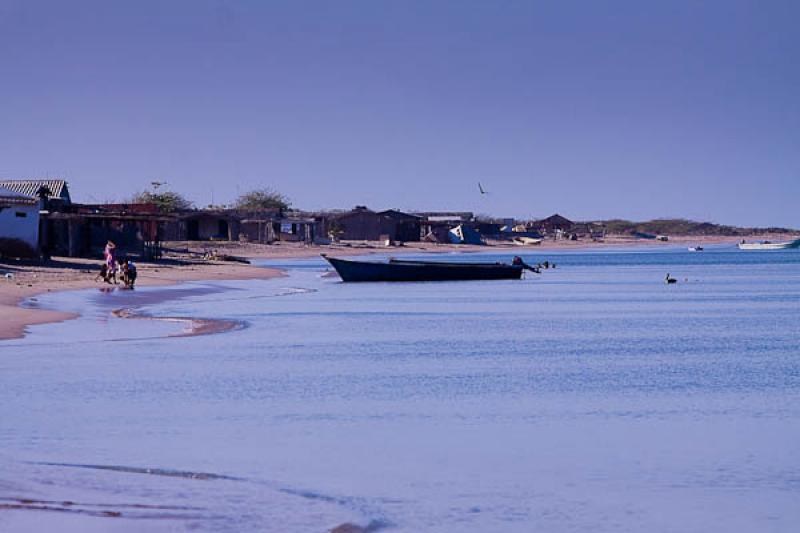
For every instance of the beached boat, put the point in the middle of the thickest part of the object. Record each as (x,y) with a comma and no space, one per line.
(766,245)
(695,248)
(462,234)
(526,241)
(403,270)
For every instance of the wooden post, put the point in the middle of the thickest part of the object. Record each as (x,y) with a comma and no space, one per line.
(233,229)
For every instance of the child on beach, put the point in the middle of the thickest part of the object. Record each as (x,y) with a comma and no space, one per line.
(103,274)
(128,273)
(131,273)
(123,272)
(110,254)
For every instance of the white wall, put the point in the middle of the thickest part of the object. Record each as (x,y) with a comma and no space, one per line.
(16,227)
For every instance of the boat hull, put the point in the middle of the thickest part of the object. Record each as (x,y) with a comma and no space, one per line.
(360,271)
(770,245)
(526,241)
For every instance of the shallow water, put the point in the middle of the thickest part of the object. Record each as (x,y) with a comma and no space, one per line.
(591,398)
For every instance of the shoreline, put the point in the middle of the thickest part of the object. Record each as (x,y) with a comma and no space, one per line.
(15,318)
(29,280)
(64,274)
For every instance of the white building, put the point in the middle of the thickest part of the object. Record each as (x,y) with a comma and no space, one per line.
(19,218)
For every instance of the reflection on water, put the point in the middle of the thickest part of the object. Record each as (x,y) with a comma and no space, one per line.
(592,397)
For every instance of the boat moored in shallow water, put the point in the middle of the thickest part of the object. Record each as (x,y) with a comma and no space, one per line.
(766,245)
(406,270)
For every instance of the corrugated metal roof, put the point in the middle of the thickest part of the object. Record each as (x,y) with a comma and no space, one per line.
(7,196)
(58,188)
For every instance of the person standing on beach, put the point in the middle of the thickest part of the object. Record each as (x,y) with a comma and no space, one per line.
(110,254)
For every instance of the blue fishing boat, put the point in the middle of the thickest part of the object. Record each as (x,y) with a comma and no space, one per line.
(405,270)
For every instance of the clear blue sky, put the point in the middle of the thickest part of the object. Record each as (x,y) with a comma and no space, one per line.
(630,109)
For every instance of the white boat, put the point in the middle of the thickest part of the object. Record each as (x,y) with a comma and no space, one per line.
(695,248)
(526,241)
(766,245)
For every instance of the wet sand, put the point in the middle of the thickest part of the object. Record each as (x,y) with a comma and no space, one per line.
(14,319)
(29,280)
(192,325)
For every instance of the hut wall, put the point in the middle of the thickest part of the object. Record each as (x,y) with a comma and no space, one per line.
(369,226)
(260,231)
(360,226)
(210,228)
(173,230)
(20,222)
(408,230)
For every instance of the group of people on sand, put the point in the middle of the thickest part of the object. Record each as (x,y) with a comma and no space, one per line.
(113,264)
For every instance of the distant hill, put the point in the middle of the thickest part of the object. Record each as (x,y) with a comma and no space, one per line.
(680,226)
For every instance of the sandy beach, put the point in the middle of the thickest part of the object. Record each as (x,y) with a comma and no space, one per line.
(25,280)
(29,280)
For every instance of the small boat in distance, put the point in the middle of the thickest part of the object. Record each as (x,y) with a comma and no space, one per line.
(405,270)
(766,245)
(695,248)
(526,241)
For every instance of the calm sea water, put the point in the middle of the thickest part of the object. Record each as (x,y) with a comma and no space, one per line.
(591,398)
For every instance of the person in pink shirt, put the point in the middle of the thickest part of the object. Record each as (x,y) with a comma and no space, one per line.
(110,254)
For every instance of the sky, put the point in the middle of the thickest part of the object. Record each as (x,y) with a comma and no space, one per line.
(613,109)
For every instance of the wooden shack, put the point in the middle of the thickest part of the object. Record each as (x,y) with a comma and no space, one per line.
(362,224)
(554,223)
(83,230)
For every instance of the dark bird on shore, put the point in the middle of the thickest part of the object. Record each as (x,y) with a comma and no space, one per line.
(480,188)
(669,281)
